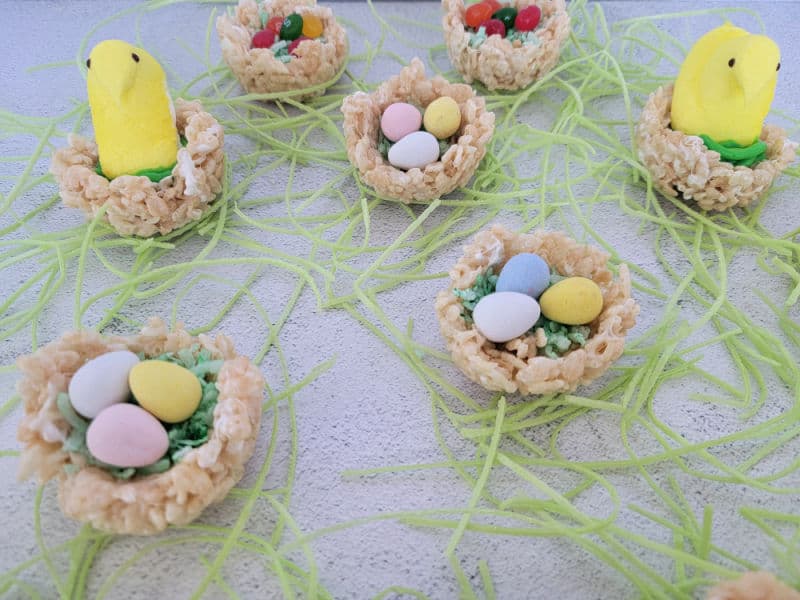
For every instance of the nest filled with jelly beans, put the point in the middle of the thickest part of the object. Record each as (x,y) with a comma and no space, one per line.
(415,139)
(682,164)
(170,416)
(505,45)
(534,313)
(283,46)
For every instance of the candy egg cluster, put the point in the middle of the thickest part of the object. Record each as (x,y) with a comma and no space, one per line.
(522,299)
(282,35)
(405,145)
(489,17)
(126,435)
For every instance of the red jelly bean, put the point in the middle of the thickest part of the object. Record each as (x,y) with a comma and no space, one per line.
(295,43)
(528,18)
(494,4)
(264,39)
(275,24)
(477,14)
(494,27)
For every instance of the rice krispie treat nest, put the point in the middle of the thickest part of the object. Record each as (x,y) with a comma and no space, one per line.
(681,164)
(317,63)
(498,63)
(133,204)
(755,585)
(518,365)
(362,117)
(144,504)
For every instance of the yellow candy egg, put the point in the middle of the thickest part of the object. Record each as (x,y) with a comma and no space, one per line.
(312,26)
(169,392)
(442,117)
(572,301)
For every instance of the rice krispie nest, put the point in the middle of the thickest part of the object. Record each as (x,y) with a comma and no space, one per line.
(497,62)
(754,585)
(135,205)
(681,164)
(144,504)
(317,64)
(362,123)
(516,365)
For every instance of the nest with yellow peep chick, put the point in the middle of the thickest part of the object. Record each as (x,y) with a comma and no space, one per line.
(143,504)
(681,164)
(521,365)
(135,205)
(362,126)
(498,63)
(315,65)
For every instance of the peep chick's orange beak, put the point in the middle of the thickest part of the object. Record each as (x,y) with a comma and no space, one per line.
(112,69)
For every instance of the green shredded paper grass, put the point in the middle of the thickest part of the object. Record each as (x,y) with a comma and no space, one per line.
(625,478)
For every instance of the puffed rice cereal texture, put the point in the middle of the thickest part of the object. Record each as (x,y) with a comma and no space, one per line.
(681,164)
(516,365)
(148,504)
(362,116)
(755,585)
(498,63)
(134,205)
(316,63)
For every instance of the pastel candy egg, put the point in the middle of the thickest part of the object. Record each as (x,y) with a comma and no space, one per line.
(502,316)
(524,273)
(124,435)
(416,150)
(572,301)
(168,391)
(442,117)
(101,382)
(400,119)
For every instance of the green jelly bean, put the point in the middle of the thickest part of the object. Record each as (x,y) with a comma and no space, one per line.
(507,15)
(292,27)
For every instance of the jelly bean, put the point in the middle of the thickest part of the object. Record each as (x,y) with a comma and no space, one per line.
(528,18)
(477,14)
(294,44)
(264,39)
(275,24)
(507,15)
(292,27)
(494,4)
(494,27)
(312,26)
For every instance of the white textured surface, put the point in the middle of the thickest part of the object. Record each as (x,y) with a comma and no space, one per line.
(370,410)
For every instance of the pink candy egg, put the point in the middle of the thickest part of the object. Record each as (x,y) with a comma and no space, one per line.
(125,435)
(400,119)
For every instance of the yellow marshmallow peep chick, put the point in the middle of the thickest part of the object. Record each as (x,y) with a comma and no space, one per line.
(725,86)
(132,113)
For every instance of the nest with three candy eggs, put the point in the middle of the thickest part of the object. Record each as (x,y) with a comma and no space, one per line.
(505,46)
(507,340)
(141,432)
(400,161)
(281,46)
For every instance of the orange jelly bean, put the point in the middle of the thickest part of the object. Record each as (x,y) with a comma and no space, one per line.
(312,26)
(477,14)
(275,24)
(494,4)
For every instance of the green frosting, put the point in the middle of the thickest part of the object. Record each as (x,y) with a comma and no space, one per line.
(560,338)
(182,436)
(736,154)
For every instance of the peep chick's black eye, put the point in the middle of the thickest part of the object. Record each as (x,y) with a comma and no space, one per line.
(778,68)
(135,57)
(88,63)
(731,62)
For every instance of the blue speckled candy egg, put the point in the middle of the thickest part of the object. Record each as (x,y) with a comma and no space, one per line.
(525,274)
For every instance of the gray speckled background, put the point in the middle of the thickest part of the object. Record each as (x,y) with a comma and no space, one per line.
(369,409)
